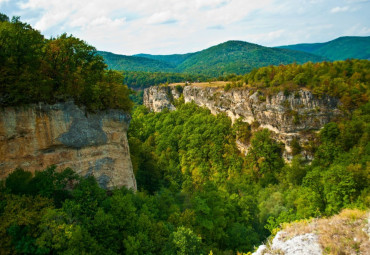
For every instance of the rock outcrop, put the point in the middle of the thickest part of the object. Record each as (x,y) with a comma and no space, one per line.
(344,233)
(306,244)
(37,136)
(287,115)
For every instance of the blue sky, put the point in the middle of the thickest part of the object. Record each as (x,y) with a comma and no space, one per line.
(181,26)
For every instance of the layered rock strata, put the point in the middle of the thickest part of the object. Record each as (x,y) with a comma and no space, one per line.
(37,136)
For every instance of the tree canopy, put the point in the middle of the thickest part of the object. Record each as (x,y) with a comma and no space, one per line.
(34,69)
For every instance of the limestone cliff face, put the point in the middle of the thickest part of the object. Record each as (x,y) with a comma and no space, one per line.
(158,98)
(63,134)
(285,114)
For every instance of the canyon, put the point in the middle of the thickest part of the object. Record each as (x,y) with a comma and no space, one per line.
(288,115)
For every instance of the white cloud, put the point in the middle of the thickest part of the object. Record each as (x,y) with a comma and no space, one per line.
(339,9)
(161,18)
(270,36)
(178,26)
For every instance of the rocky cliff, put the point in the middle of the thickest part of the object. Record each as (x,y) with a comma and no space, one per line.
(287,115)
(63,134)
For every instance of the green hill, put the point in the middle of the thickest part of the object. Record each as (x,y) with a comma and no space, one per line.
(241,57)
(338,49)
(135,63)
(174,59)
(229,57)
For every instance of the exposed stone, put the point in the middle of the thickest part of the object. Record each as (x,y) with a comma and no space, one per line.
(63,134)
(285,115)
(159,98)
(307,244)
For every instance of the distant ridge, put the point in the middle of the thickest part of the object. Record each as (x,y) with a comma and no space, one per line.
(240,57)
(174,59)
(338,49)
(230,57)
(135,63)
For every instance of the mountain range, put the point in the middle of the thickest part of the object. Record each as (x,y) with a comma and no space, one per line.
(240,57)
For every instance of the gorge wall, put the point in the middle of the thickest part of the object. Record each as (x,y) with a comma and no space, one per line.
(287,115)
(37,136)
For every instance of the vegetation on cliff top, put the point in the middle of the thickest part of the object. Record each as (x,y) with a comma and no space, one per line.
(347,80)
(34,69)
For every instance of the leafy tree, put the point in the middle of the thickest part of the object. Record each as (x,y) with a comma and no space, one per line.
(18,181)
(35,70)
(3,17)
(184,242)
(265,156)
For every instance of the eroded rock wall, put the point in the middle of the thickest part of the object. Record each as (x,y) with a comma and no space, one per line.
(37,136)
(286,114)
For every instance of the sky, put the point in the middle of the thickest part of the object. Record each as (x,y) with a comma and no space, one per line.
(181,26)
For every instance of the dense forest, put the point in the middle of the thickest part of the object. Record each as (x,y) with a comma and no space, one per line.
(226,58)
(347,80)
(197,194)
(34,69)
(341,48)
(141,80)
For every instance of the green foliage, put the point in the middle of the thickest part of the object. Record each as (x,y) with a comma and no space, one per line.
(242,130)
(144,79)
(232,57)
(134,63)
(137,97)
(34,70)
(295,171)
(184,242)
(347,80)
(265,157)
(342,48)
(339,188)
(18,181)
(3,17)
(296,147)
(330,132)
(198,192)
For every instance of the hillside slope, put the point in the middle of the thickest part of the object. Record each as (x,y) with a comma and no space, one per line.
(174,59)
(134,63)
(338,49)
(240,57)
(229,57)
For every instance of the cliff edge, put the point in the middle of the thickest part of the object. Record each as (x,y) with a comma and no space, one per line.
(345,233)
(37,136)
(288,115)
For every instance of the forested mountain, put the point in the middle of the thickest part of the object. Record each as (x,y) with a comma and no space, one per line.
(174,59)
(240,57)
(338,49)
(230,57)
(135,63)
